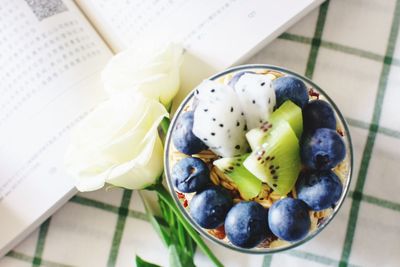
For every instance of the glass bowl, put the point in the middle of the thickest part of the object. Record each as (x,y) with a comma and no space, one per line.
(273,245)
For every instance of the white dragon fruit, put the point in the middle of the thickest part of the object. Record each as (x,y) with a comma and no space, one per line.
(257,98)
(219,120)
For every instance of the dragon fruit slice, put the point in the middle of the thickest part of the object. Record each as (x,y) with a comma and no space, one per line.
(256,96)
(219,120)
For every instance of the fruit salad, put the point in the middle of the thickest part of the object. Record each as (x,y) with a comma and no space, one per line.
(258,158)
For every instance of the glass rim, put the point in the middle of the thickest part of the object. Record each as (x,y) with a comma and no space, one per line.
(256,250)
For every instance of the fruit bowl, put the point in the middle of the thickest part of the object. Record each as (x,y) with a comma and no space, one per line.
(258,159)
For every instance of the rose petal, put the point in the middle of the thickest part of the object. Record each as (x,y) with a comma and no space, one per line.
(118,134)
(154,72)
(140,172)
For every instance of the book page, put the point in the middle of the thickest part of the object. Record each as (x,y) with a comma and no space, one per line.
(50,61)
(220,32)
(215,33)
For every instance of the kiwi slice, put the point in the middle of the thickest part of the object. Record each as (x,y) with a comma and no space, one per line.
(248,185)
(289,112)
(277,160)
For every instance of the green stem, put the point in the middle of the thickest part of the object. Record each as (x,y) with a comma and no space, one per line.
(181,236)
(166,197)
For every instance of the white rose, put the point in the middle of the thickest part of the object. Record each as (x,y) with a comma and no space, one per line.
(118,144)
(152,71)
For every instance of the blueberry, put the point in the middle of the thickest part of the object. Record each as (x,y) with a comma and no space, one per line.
(236,78)
(190,175)
(184,139)
(288,219)
(246,224)
(209,207)
(318,114)
(322,150)
(290,88)
(319,190)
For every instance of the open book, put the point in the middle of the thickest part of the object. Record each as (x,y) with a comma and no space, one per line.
(52,54)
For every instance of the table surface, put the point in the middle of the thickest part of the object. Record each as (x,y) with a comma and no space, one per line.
(351,48)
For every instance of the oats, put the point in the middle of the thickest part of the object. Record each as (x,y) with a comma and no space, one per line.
(294,193)
(214,176)
(275,73)
(275,196)
(266,203)
(278,243)
(237,200)
(323,213)
(271,76)
(205,155)
(314,221)
(227,185)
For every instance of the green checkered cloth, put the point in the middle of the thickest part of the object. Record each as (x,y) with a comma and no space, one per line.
(351,49)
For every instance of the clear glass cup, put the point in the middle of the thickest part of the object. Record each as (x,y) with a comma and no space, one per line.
(345,174)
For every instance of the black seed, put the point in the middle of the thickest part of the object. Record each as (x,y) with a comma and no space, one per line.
(237,147)
(231,109)
(259,158)
(237,124)
(205,139)
(260,121)
(242,114)
(269,100)
(271,167)
(274,185)
(277,167)
(267,158)
(213,119)
(231,168)
(212,90)
(205,110)
(273,172)
(212,134)
(221,125)
(254,101)
(262,162)
(263,83)
(197,91)
(273,157)
(275,177)
(245,128)
(237,164)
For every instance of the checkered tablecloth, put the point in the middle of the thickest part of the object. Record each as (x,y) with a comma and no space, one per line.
(351,48)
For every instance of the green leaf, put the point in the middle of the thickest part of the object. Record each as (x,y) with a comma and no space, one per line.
(174,259)
(181,235)
(165,125)
(142,263)
(159,225)
(178,232)
(180,238)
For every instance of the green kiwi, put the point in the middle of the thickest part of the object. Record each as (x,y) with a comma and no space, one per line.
(277,160)
(248,185)
(289,112)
